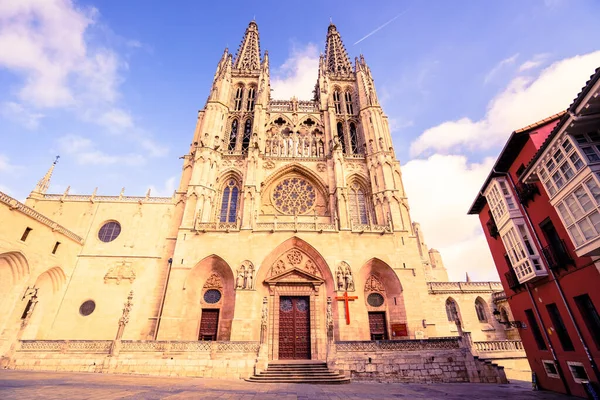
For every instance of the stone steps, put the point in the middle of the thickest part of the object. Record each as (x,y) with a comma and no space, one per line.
(299,372)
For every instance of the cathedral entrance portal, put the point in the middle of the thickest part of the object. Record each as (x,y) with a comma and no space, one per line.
(294,328)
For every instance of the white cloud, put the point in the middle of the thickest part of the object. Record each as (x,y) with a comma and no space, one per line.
(298,74)
(18,113)
(526,100)
(167,189)
(535,62)
(116,120)
(504,63)
(85,152)
(440,190)
(44,41)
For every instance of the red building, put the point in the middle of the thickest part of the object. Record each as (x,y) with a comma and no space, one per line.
(540,210)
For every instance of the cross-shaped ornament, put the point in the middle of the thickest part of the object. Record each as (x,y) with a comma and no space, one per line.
(345,298)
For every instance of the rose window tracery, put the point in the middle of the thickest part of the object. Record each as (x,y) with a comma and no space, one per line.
(294,196)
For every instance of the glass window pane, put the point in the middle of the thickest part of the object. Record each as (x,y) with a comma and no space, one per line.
(587,229)
(224,204)
(590,154)
(567,146)
(580,139)
(577,163)
(565,214)
(567,171)
(550,165)
(576,235)
(594,189)
(584,199)
(558,156)
(574,207)
(595,218)
(558,180)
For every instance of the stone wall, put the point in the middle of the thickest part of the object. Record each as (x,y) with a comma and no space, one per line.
(221,360)
(413,361)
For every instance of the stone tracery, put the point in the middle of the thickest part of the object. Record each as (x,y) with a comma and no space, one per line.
(294,258)
(294,196)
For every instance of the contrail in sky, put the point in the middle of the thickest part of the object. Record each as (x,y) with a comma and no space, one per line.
(382,26)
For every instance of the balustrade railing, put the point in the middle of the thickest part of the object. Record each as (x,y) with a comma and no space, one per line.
(557,256)
(499,346)
(395,345)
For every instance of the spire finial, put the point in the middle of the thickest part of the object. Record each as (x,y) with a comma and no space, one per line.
(248,54)
(337,61)
(44,183)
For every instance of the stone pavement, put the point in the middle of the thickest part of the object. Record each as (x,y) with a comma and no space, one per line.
(66,386)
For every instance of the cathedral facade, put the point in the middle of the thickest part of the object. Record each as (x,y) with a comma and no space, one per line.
(290,228)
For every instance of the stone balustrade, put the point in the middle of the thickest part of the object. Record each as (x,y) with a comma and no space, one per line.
(17,205)
(463,287)
(498,346)
(446,343)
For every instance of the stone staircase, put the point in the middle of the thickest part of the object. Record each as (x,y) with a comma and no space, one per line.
(315,372)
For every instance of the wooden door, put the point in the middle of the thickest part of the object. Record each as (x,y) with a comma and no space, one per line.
(294,328)
(377,326)
(209,322)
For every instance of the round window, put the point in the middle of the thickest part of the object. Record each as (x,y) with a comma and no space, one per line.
(87,308)
(109,231)
(212,296)
(375,300)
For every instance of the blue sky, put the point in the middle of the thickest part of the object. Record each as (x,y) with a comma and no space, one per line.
(114,88)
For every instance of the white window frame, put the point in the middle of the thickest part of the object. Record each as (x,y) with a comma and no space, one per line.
(572,222)
(577,364)
(500,199)
(549,374)
(561,167)
(589,143)
(522,252)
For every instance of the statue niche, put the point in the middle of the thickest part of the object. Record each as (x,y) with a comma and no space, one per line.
(245,276)
(345,279)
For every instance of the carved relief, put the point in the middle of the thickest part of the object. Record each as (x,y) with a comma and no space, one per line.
(374,285)
(345,279)
(294,258)
(119,272)
(245,276)
(268,164)
(321,167)
(213,282)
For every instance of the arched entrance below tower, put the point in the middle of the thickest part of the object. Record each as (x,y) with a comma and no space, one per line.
(298,286)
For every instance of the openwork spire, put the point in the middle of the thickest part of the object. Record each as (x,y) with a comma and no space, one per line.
(336,57)
(44,183)
(248,54)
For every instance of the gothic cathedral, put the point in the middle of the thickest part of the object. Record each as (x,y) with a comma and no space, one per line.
(290,229)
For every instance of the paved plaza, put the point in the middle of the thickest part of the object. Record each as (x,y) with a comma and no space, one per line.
(70,386)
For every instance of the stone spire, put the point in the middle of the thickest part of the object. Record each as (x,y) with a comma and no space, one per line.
(336,57)
(248,54)
(42,185)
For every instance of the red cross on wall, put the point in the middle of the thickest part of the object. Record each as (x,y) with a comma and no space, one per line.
(345,298)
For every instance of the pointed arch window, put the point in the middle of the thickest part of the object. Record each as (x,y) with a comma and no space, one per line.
(337,102)
(348,100)
(250,102)
(480,310)
(239,94)
(340,135)
(229,202)
(451,310)
(233,135)
(353,138)
(358,205)
(247,134)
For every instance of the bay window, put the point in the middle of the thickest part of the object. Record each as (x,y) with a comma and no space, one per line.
(560,168)
(579,212)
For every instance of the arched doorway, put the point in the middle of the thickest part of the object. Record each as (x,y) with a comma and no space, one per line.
(298,286)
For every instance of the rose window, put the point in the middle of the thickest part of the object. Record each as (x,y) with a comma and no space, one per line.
(294,196)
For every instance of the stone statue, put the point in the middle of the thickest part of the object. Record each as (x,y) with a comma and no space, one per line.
(249,279)
(329,314)
(239,282)
(349,280)
(265,313)
(340,279)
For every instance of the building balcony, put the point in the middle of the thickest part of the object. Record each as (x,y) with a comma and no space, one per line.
(492,229)
(526,192)
(512,281)
(557,256)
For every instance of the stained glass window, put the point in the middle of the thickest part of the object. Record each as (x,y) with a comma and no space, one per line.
(212,296)
(233,135)
(238,98)
(480,310)
(294,196)
(358,205)
(109,231)
(250,103)
(353,138)
(337,102)
(87,308)
(247,133)
(348,99)
(340,134)
(229,202)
